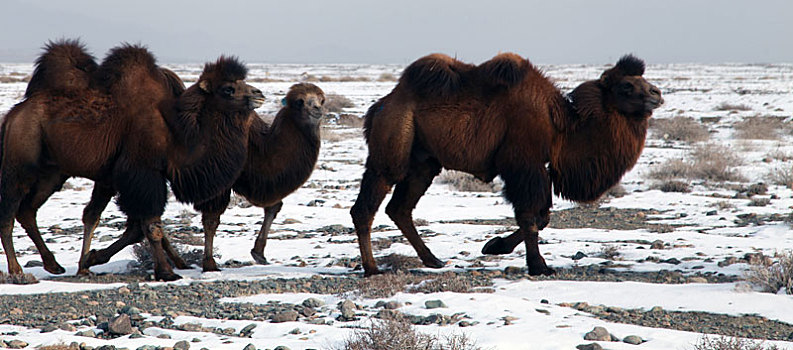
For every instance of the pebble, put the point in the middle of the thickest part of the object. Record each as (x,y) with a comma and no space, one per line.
(295,331)
(633,339)
(246,332)
(592,346)
(513,270)
(249,347)
(579,255)
(347,309)
(392,305)
(88,333)
(281,347)
(598,333)
(434,304)
(657,244)
(147,347)
(16,344)
(120,325)
(313,303)
(182,345)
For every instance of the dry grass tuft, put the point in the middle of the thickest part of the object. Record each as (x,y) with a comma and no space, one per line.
(772,276)
(672,169)
(609,252)
(385,285)
(782,176)
(58,347)
(24,278)
(391,334)
(399,262)
(335,103)
(679,129)
(387,77)
(716,163)
(444,282)
(759,128)
(674,186)
(144,261)
(730,343)
(331,134)
(350,120)
(726,106)
(465,182)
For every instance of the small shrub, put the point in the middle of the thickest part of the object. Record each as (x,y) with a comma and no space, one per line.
(782,176)
(674,186)
(335,103)
(387,77)
(772,276)
(726,106)
(350,120)
(58,347)
(391,334)
(444,282)
(716,163)
(399,262)
(617,191)
(24,278)
(672,169)
(759,202)
(609,252)
(385,285)
(465,182)
(145,262)
(331,134)
(730,343)
(679,129)
(758,128)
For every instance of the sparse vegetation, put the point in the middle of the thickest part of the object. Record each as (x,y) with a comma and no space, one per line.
(674,186)
(679,129)
(392,334)
(350,120)
(144,261)
(386,77)
(759,128)
(331,134)
(609,252)
(730,343)
(465,182)
(759,202)
(335,103)
(24,278)
(706,162)
(782,176)
(726,106)
(772,275)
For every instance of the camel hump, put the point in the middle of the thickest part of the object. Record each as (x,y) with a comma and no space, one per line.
(434,75)
(64,65)
(127,60)
(173,82)
(506,69)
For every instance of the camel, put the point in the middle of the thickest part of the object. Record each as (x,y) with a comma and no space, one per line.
(112,124)
(500,118)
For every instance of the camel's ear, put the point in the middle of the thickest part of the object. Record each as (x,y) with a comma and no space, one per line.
(204,85)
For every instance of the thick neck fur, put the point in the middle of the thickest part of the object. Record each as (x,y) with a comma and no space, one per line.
(596,147)
(281,157)
(209,152)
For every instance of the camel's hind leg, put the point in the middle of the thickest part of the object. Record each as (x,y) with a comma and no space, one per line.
(100,197)
(400,208)
(261,240)
(374,187)
(14,187)
(210,219)
(132,234)
(26,216)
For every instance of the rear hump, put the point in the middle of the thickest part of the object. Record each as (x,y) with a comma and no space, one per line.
(65,65)
(434,75)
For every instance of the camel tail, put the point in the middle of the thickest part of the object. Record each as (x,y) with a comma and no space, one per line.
(64,65)
(433,75)
(507,70)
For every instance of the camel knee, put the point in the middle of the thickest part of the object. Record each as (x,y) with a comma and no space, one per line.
(396,212)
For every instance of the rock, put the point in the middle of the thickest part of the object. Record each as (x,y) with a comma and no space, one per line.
(313,303)
(633,339)
(347,309)
(286,316)
(464,324)
(697,279)
(544,301)
(434,304)
(182,345)
(593,346)
(136,336)
(66,326)
(190,327)
(16,344)
(148,347)
(308,311)
(164,336)
(509,319)
(657,310)
(598,333)
(673,261)
(249,347)
(120,325)
(89,333)
(34,263)
(657,244)
(130,310)
(281,347)
(106,347)
(48,328)
(246,332)
(579,255)
(295,331)
(392,305)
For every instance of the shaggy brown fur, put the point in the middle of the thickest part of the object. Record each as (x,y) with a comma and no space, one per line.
(281,158)
(115,133)
(501,118)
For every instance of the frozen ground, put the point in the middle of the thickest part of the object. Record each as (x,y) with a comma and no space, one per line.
(706,226)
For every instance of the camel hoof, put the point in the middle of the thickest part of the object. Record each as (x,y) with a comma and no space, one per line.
(496,246)
(56,269)
(84,272)
(433,262)
(166,276)
(259,258)
(210,266)
(539,271)
(180,264)
(371,272)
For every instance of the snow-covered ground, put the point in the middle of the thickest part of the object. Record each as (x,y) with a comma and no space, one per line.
(700,239)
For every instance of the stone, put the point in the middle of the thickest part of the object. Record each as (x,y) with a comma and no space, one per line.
(16,344)
(392,305)
(347,309)
(598,333)
(249,347)
(147,347)
(633,339)
(281,347)
(247,330)
(34,263)
(579,255)
(308,311)
(136,336)
(88,333)
(593,346)
(120,325)
(513,270)
(434,304)
(182,345)
(106,347)
(295,331)
(164,336)
(697,279)
(286,316)
(130,310)
(657,244)
(313,303)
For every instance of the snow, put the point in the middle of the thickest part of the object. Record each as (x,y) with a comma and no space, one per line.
(689,89)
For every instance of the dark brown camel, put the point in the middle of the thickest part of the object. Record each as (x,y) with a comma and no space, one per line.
(501,118)
(116,132)
(280,159)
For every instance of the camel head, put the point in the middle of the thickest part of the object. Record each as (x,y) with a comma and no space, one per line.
(224,84)
(630,93)
(308,100)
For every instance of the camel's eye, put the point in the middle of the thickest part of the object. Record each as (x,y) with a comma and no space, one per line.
(228,90)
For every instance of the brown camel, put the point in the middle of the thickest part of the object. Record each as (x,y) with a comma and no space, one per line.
(281,158)
(501,118)
(116,132)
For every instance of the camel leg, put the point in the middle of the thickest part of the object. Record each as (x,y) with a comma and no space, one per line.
(261,240)
(26,216)
(210,218)
(374,187)
(400,208)
(152,228)
(173,254)
(100,197)
(499,245)
(132,234)
(14,187)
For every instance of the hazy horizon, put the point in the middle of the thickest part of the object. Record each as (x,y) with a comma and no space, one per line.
(358,31)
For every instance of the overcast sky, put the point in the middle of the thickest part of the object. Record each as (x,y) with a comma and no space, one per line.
(369,31)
